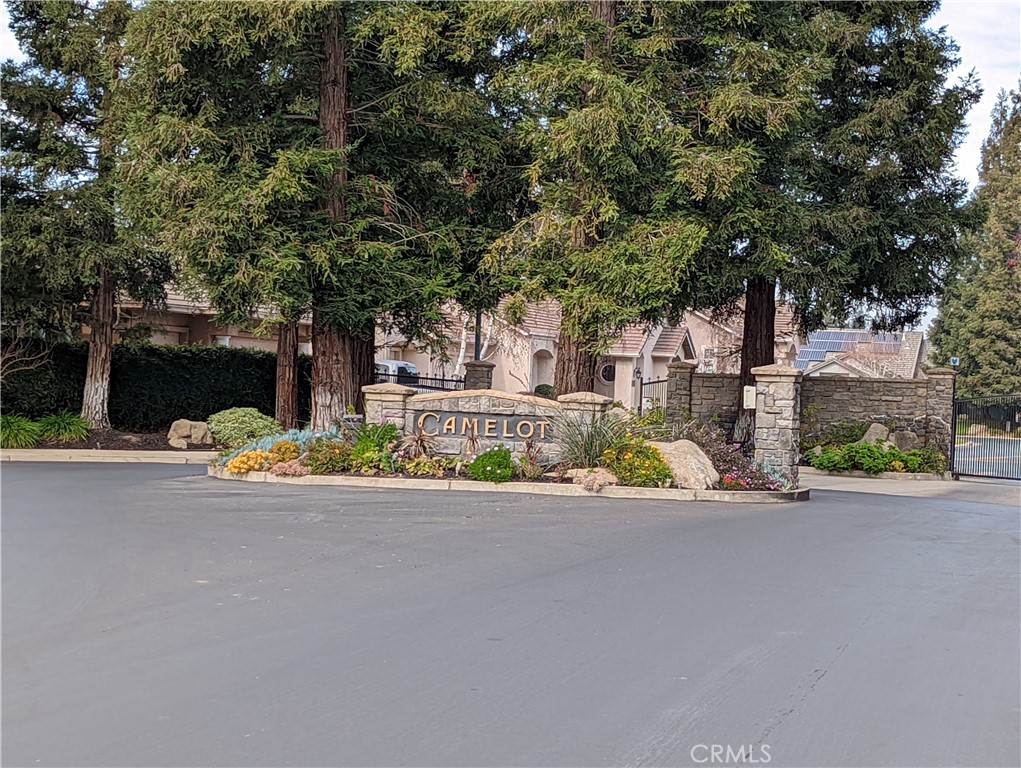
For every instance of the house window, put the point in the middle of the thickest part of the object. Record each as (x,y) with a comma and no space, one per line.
(708,359)
(607,373)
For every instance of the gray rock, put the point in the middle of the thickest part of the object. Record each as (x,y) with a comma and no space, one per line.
(905,441)
(593,480)
(689,464)
(184,432)
(817,450)
(876,433)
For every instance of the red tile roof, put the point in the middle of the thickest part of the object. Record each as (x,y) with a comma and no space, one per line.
(670,340)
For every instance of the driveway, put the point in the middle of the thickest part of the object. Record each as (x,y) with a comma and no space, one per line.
(153,616)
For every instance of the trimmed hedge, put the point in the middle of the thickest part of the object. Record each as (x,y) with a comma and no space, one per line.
(153,385)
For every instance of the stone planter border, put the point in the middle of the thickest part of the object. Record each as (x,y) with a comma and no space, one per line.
(544,489)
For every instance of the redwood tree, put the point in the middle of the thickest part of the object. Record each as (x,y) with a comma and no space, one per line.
(292,156)
(68,256)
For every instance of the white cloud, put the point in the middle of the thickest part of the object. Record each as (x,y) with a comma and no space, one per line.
(988,34)
(8,43)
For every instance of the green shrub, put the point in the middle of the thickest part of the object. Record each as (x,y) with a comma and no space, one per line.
(374,448)
(424,466)
(930,459)
(18,432)
(584,439)
(547,391)
(870,458)
(873,459)
(237,426)
(493,466)
(832,459)
(638,464)
(153,385)
(327,457)
(65,426)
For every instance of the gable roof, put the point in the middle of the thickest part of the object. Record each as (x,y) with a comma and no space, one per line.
(670,340)
(873,354)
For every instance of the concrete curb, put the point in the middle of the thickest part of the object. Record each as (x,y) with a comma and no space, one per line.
(914,476)
(112,457)
(543,489)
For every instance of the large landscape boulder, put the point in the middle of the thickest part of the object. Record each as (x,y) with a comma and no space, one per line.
(905,441)
(691,467)
(184,432)
(876,433)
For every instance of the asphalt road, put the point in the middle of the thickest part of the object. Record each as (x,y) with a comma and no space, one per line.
(155,617)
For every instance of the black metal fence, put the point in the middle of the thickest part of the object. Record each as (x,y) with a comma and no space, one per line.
(987,437)
(429,383)
(652,395)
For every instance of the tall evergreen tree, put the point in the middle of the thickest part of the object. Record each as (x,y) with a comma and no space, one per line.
(304,156)
(853,210)
(66,247)
(979,319)
(594,82)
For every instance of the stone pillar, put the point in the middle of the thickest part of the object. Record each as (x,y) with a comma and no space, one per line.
(939,408)
(386,403)
(585,403)
(478,374)
(678,391)
(778,417)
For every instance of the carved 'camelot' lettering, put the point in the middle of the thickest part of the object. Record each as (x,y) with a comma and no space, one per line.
(440,424)
(422,422)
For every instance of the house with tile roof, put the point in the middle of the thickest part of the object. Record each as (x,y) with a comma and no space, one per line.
(858,353)
(525,354)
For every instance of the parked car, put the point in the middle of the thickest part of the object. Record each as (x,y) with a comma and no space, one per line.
(396,372)
(401,372)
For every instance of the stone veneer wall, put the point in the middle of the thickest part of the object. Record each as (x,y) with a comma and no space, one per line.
(716,395)
(499,411)
(924,406)
(701,395)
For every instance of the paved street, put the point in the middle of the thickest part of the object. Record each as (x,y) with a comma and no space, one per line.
(153,616)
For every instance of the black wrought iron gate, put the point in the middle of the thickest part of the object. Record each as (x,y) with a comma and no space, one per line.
(987,437)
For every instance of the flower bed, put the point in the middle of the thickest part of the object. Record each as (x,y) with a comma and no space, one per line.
(615,443)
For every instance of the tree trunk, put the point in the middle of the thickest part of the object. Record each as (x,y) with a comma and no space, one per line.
(96,395)
(333,365)
(576,367)
(758,345)
(327,374)
(360,353)
(287,376)
(341,365)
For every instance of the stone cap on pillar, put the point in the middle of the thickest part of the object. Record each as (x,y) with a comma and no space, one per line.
(585,398)
(388,389)
(681,365)
(776,373)
(939,372)
(479,364)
